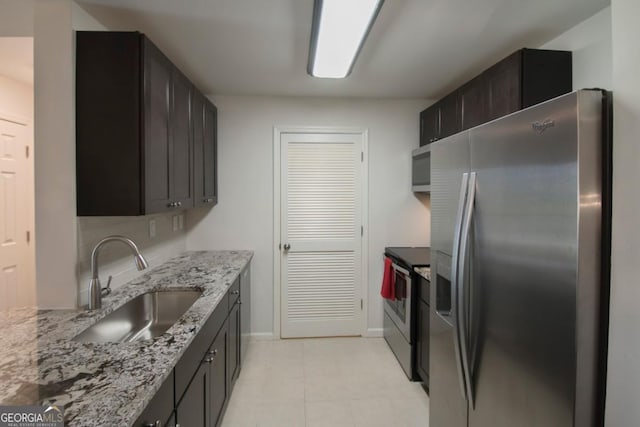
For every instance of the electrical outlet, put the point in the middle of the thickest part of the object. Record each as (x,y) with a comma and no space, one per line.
(152,228)
(181,221)
(175,222)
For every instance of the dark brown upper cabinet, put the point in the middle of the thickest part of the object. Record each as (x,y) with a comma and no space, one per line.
(439,120)
(135,135)
(524,78)
(155,140)
(205,145)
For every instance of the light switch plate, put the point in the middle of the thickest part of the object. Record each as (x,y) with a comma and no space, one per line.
(175,222)
(181,221)
(152,228)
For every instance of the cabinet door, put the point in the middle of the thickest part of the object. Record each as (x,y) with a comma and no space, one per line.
(193,409)
(157,146)
(160,408)
(234,343)
(205,134)
(210,154)
(430,125)
(197,124)
(422,350)
(219,380)
(503,86)
(181,186)
(172,422)
(473,103)
(245,311)
(449,120)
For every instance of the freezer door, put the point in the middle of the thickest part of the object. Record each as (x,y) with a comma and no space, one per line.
(447,404)
(449,161)
(524,248)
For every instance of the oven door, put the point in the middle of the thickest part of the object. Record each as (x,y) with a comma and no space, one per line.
(400,310)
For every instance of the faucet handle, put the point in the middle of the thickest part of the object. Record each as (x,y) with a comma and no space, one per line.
(107,289)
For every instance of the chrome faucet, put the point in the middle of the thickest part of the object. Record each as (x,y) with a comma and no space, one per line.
(95,288)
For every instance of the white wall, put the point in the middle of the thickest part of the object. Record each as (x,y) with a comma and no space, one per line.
(590,42)
(16,19)
(243,218)
(16,98)
(54,155)
(623,386)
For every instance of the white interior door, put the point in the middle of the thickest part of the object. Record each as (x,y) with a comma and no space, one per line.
(16,278)
(321,235)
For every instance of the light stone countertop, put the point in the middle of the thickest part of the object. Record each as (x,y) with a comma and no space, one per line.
(424,272)
(108,384)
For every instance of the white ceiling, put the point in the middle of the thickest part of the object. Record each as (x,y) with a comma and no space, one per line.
(417,48)
(16,58)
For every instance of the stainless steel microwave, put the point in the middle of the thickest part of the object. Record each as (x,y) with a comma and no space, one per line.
(421,169)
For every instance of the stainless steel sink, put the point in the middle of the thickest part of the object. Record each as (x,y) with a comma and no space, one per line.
(146,316)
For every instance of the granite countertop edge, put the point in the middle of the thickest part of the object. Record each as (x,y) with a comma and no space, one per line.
(102,384)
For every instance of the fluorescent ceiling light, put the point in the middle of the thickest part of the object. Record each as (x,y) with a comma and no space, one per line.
(339,30)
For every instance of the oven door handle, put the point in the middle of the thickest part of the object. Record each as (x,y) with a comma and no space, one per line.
(396,267)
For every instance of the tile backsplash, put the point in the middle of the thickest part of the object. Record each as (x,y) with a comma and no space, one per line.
(115,258)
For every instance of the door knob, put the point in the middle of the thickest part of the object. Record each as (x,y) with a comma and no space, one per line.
(287,246)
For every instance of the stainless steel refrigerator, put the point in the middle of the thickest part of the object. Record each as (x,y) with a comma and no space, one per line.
(520,234)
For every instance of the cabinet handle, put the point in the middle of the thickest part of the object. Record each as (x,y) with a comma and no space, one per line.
(214,352)
(210,359)
(156,424)
(171,205)
(208,200)
(179,204)
(235,292)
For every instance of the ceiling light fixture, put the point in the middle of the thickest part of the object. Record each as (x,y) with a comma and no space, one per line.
(340,28)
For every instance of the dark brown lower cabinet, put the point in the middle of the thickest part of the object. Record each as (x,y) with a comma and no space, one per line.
(193,409)
(160,409)
(172,421)
(198,389)
(218,381)
(422,350)
(204,399)
(234,343)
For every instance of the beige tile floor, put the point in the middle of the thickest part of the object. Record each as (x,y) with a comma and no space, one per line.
(331,382)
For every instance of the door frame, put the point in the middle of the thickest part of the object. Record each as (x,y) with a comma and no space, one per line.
(364,193)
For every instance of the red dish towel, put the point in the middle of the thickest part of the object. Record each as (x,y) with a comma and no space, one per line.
(388,289)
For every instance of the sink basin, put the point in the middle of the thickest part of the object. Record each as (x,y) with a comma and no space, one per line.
(146,316)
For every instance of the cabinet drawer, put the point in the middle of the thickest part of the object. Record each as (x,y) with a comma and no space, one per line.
(190,360)
(234,293)
(161,406)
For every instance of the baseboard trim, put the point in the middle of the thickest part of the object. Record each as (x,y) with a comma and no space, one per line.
(262,336)
(374,333)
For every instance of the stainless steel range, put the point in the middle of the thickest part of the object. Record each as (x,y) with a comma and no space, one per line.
(400,313)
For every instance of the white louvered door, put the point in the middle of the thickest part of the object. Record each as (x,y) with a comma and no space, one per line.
(321,218)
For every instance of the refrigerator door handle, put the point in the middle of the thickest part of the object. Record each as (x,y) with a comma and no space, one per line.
(464,189)
(463,313)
